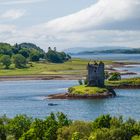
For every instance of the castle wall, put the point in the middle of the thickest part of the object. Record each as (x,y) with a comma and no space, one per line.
(96,75)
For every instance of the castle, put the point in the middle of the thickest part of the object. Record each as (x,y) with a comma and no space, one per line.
(96,75)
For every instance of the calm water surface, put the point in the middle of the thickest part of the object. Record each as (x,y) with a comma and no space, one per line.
(115,57)
(118,58)
(130,68)
(27,97)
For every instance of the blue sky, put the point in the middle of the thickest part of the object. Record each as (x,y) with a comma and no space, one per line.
(71,23)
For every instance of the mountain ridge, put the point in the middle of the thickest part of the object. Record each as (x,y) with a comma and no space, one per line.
(105,49)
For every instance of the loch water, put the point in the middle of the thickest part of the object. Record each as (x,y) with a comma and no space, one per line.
(29,97)
(109,56)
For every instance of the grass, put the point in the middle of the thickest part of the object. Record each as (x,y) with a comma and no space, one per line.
(74,67)
(83,89)
(124,82)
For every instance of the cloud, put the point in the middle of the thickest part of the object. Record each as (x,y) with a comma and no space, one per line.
(7,31)
(5,28)
(13,14)
(108,22)
(9,2)
(104,14)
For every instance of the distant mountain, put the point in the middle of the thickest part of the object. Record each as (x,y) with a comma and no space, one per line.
(105,49)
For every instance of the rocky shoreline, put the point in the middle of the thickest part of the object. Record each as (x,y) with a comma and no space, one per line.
(69,96)
(109,94)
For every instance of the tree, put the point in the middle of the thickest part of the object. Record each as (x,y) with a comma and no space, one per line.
(62,120)
(19,61)
(3,127)
(57,57)
(34,56)
(75,136)
(85,81)
(16,48)
(29,135)
(108,134)
(24,52)
(106,74)
(102,122)
(36,131)
(19,125)
(6,61)
(115,76)
(46,129)
(80,82)
(5,49)
(54,57)
(49,49)
(76,130)
(25,49)
(51,127)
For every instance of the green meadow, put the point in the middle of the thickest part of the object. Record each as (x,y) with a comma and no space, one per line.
(84,89)
(124,82)
(74,67)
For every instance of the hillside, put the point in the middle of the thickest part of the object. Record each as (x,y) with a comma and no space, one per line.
(20,55)
(105,50)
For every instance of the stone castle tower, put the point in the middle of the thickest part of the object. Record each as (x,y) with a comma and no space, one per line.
(96,75)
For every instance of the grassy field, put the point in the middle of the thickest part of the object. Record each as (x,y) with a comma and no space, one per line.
(74,67)
(124,82)
(83,89)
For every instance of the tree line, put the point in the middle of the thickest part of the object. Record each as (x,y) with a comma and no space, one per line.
(59,127)
(21,54)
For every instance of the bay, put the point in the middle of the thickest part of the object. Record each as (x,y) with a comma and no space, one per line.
(29,97)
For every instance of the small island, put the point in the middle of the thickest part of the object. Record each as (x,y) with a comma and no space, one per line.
(92,89)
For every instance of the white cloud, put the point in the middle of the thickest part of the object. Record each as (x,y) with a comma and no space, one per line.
(9,2)
(5,28)
(13,14)
(7,31)
(98,16)
(108,22)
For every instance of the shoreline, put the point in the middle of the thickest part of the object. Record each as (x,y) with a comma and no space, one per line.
(110,94)
(68,96)
(59,77)
(44,77)
(40,77)
(110,68)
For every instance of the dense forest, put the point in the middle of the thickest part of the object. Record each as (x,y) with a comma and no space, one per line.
(59,127)
(21,54)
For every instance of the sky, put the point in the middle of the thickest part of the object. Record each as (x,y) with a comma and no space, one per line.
(71,23)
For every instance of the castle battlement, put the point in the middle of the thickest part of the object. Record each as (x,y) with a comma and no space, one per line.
(96,74)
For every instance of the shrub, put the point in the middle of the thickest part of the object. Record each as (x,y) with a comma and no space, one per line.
(19,61)
(77,130)
(19,125)
(102,122)
(6,61)
(108,134)
(80,82)
(57,57)
(3,127)
(136,138)
(115,76)
(85,81)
